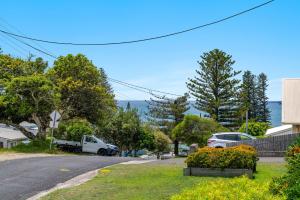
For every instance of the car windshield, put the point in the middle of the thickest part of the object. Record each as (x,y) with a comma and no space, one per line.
(250,136)
(99,139)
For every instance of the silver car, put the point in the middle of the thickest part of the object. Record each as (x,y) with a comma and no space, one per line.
(219,140)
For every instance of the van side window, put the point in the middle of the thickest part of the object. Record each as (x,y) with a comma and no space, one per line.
(90,139)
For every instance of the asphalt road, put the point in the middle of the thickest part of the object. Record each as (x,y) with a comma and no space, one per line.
(23,178)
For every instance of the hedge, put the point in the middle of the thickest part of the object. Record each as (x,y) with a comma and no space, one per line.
(237,157)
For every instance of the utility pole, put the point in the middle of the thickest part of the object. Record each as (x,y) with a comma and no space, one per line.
(247,121)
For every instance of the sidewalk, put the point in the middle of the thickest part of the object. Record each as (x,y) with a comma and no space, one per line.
(13,156)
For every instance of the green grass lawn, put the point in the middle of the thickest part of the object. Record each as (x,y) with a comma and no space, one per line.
(146,181)
(35,146)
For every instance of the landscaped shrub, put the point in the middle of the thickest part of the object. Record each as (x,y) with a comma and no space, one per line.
(289,184)
(195,129)
(73,130)
(255,128)
(228,189)
(237,157)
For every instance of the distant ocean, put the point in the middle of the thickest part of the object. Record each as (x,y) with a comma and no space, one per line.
(274,106)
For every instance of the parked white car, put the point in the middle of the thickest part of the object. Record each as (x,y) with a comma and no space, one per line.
(88,144)
(219,140)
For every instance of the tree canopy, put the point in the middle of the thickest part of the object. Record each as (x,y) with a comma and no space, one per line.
(215,87)
(84,91)
(166,113)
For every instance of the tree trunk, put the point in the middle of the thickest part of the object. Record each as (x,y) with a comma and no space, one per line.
(176,146)
(41,131)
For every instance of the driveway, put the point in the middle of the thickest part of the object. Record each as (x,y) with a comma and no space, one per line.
(23,178)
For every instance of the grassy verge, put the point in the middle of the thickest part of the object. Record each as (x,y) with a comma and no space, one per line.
(35,146)
(146,181)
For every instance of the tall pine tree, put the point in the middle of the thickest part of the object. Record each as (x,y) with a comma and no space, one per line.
(248,96)
(215,87)
(263,112)
(166,113)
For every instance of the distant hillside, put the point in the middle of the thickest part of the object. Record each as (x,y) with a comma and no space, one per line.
(274,106)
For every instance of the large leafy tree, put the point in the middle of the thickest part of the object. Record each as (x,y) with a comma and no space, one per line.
(215,87)
(34,97)
(23,88)
(84,91)
(11,67)
(263,112)
(166,113)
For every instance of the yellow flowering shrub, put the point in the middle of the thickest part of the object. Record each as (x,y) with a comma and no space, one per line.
(237,157)
(228,189)
(293,151)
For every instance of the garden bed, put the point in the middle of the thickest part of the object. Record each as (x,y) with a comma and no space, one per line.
(196,171)
(225,162)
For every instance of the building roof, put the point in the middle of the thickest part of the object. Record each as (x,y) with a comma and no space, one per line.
(11,134)
(279,129)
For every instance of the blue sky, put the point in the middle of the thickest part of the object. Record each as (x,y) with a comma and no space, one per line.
(266,40)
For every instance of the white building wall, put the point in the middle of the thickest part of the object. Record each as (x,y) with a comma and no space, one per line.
(291,103)
(4,142)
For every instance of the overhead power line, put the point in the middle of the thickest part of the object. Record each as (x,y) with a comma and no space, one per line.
(12,38)
(129,85)
(20,32)
(144,89)
(12,44)
(35,48)
(144,39)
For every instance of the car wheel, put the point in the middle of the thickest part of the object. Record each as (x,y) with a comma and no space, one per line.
(102,152)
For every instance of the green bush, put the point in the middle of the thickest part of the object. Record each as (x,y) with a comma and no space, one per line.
(228,189)
(255,128)
(289,184)
(161,142)
(238,157)
(194,129)
(73,129)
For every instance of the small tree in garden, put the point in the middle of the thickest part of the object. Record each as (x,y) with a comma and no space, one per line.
(166,113)
(126,131)
(255,128)
(161,142)
(194,129)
